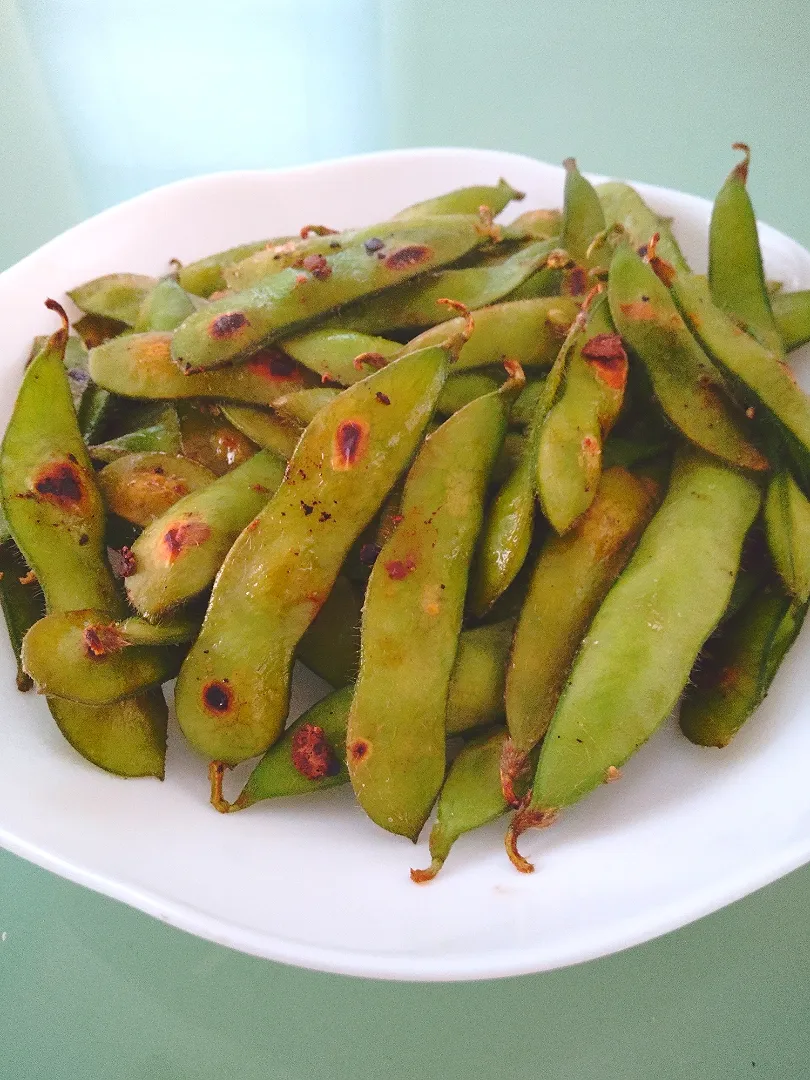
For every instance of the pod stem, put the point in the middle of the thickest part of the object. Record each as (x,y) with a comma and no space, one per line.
(525,819)
(420,877)
(316,230)
(740,170)
(457,341)
(216,771)
(487,226)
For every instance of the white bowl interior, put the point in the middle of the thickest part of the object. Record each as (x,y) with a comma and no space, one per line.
(310,881)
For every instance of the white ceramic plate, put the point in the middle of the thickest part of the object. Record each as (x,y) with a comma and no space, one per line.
(310,881)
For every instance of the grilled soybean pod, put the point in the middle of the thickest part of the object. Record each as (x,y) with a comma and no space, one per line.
(736,276)
(792,313)
(141,487)
(331,354)
(569,454)
(267,429)
(178,555)
(114,296)
(570,579)
(277,306)
(205,276)
(583,217)
(466,200)
(688,386)
(56,515)
(787,529)
(623,206)
(736,672)
(412,618)
(233,691)
(637,656)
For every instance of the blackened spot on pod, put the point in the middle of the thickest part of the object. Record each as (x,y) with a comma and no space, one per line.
(317,266)
(306,508)
(84,539)
(373,244)
(323,516)
(185,534)
(607,358)
(351,439)
(225,326)
(405,257)
(271,364)
(60,483)
(312,754)
(577,282)
(217,697)
(383,399)
(398,569)
(359,749)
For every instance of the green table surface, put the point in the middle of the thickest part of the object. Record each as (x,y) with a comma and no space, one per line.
(99,101)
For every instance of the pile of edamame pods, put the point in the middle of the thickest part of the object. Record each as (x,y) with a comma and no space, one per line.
(514,490)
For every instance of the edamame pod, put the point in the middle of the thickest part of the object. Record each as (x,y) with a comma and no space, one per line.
(570,579)
(205,276)
(583,217)
(533,225)
(332,353)
(141,487)
(141,366)
(159,435)
(209,438)
(763,383)
(471,796)
(462,388)
(164,308)
(787,528)
(622,205)
(736,276)
(466,200)
(792,313)
(22,604)
(569,453)
(114,296)
(316,758)
(735,674)
(265,428)
(529,331)
(686,383)
(56,516)
(179,554)
(81,656)
(233,691)
(412,305)
(653,623)
(277,306)
(302,406)
(412,618)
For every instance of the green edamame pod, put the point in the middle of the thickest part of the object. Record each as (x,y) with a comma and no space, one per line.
(265,428)
(205,276)
(570,579)
(179,554)
(792,314)
(159,435)
(95,411)
(736,276)
(462,388)
(279,305)
(529,331)
(81,656)
(412,305)
(315,758)
(209,438)
(533,225)
(415,594)
(302,406)
(762,382)
(331,353)
(466,200)
(732,678)
(331,645)
(787,528)
(233,691)
(526,405)
(141,487)
(56,516)
(622,205)
(471,796)
(583,218)
(164,308)
(686,383)
(141,366)
(569,452)
(114,296)
(509,522)
(653,623)
(22,604)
